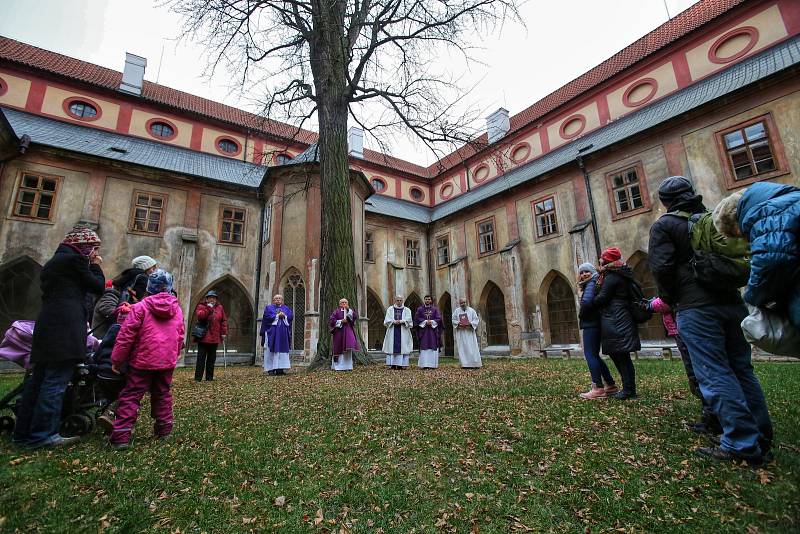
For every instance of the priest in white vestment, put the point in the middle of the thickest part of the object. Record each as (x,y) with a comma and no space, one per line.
(398,343)
(465,322)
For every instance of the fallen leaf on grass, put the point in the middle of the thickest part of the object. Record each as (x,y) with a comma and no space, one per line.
(280,501)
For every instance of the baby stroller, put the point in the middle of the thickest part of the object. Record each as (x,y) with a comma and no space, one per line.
(92,388)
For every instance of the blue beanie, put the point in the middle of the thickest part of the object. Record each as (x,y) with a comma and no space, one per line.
(159,281)
(587,267)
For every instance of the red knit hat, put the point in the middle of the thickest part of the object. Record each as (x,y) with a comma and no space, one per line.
(611,254)
(81,235)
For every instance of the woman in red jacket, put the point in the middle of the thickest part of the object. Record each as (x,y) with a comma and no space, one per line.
(211,314)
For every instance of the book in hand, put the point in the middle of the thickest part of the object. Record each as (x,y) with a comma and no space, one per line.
(463,320)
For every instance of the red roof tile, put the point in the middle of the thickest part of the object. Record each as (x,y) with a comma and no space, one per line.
(687,21)
(682,24)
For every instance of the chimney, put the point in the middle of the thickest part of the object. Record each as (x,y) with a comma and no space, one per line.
(133,76)
(355,142)
(497,125)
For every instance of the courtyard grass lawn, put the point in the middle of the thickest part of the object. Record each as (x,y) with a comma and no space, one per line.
(508,448)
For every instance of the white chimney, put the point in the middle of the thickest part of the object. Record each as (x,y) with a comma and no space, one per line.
(497,124)
(133,76)
(355,142)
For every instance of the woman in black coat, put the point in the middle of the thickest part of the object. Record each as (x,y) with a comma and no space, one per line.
(619,332)
(59,337)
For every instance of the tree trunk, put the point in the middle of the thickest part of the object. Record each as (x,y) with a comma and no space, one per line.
(329,55)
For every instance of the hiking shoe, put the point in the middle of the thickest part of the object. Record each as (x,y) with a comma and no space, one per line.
(611,389)
(699,428)
(594,393)
(120,446)
(623,395)
(106,421)
(721,455)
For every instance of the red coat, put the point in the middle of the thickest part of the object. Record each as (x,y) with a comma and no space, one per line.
(217,322)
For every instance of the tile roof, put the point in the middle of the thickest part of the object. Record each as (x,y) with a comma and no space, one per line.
(95,142)
(751,70)
(682,24)
(400,209)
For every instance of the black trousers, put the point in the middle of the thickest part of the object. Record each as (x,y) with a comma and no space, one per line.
(206,358)
(624,364)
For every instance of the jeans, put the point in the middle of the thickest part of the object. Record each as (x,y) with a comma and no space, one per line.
(624,364)
(206,358)
(721,360)
(39,414)
(138,382)
(591,351)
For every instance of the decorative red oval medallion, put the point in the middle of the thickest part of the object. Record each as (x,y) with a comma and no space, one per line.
(751,34)
(643,90)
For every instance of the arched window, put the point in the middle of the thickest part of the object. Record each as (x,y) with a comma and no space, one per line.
(446,308)
(375,315)
(561,313)
(239,312)
(294,296)
(412,303)
(20,292)
(495,306)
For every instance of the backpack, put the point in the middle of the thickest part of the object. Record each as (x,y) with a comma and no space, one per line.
(638,306)
(718,262)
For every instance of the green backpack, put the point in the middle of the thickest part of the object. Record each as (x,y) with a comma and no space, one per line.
(719,262)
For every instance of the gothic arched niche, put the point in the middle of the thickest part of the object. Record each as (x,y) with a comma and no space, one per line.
(493,303)
(293,290)
(446,308)
(561,313)
(239,311)
(20,291)
(375,315)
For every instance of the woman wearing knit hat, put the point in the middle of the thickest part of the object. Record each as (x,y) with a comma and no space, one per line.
(618,330)
(589,319)
(59,339)
(129,286)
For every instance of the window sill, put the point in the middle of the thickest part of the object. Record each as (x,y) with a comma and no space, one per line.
(547,237)
(145,234)
(22,218)
(631,213)
(226,244)
(736,184)
(487,254)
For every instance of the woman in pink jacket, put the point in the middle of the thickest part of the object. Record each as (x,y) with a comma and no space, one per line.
(708,424)
(149,343)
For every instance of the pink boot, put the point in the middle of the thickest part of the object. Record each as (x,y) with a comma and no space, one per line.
(594,393)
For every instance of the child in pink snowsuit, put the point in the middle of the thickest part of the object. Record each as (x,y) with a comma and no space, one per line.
(149,341)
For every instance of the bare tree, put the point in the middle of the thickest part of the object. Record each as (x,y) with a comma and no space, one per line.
(367,59)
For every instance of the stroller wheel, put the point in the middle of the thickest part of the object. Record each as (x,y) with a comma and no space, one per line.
(77,425)
(7,424)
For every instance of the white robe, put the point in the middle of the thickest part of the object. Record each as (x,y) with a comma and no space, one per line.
(345,362)
(428,357)
(469,353)
(406,342)
(275,360)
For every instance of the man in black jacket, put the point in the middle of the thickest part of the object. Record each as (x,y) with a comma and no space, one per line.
(709,323)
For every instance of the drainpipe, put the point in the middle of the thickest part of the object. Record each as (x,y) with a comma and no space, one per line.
(582,166)
(259,255)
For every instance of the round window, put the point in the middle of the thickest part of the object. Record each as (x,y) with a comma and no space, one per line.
(282,159)
(82,110)
(161,129)
(229,146)
(417,194)
(378,185)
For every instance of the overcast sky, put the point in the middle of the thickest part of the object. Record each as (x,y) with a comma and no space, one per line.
(562,40)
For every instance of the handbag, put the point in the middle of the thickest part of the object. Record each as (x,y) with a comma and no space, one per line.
(638,307)
(199,331)
(772,332)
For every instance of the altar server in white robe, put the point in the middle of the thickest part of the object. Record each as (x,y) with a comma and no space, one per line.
(398,342)
(465,322)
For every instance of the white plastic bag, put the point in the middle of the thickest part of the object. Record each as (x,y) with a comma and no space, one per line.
(772,332)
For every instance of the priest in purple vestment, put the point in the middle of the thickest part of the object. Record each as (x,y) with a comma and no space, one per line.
(276,336)
(342,323)
(429,324)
